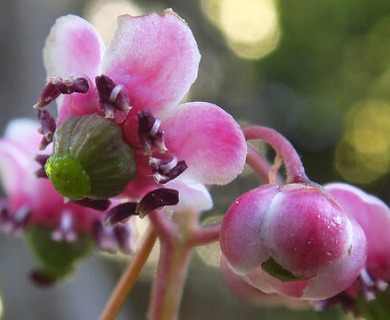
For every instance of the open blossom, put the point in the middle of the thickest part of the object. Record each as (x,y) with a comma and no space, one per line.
(137,83)
(295,240)
(33,207)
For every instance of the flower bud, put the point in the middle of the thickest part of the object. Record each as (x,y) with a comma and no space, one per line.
(90,158)
(293,240)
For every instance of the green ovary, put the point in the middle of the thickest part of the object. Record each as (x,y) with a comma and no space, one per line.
(68,176)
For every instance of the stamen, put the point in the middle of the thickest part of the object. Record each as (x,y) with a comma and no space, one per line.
(115,92)
(48,127)
(41,173)
(41,279)
(155,127)
(156,199)
(370,286)
(111,96)
(164,171)
(97,204)
(104,237)
(41,159)
(366,279)
(120,213)
(70,85)
(122,235)
(65,231)
(150,134)
(57,85)
(381,285)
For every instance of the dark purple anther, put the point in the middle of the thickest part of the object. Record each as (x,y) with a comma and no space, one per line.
(48,127)
(42,279)
(104,237)
(70,85)
(97,204)
(41,159)
(41,173)
(164,171)
(149,133)
(111,96)
(156,199)
(57,85)
(122,235)
(48,95)
(120,213)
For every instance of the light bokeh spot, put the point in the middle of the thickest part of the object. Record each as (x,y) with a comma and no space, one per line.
(102,13)
(363,154)
(251,27)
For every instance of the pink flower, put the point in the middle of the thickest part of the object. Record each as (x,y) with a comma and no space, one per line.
(373,215)
(139,82)
(33,204)
(294,240)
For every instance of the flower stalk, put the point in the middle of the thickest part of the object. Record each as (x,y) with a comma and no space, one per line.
(129,277)
(170,279)
(284,149)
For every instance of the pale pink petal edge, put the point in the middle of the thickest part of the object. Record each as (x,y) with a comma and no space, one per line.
(209,140)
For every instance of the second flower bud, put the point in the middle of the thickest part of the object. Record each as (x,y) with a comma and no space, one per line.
(295,240)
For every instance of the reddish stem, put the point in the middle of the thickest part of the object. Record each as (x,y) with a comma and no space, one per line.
(262,167)
(129,277)
(205,235)
(294,167)
(170,279)
(162,225)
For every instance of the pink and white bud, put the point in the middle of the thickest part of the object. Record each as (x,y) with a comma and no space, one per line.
(373,215)
(295,240)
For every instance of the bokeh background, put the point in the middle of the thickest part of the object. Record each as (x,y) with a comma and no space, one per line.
(317,71)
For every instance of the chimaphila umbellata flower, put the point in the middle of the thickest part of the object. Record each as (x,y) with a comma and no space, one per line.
(373,215)
(132,91)
(294,240)
(59,233)
(292,237)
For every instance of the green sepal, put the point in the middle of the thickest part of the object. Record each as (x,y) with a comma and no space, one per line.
(57,259)
(276,270)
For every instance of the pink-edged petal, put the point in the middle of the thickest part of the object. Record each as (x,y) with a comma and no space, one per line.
(192,197)
(20,140)
(209,140)
(12,162)
(24,132)
(155,57)
(373,216)
(73,48)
